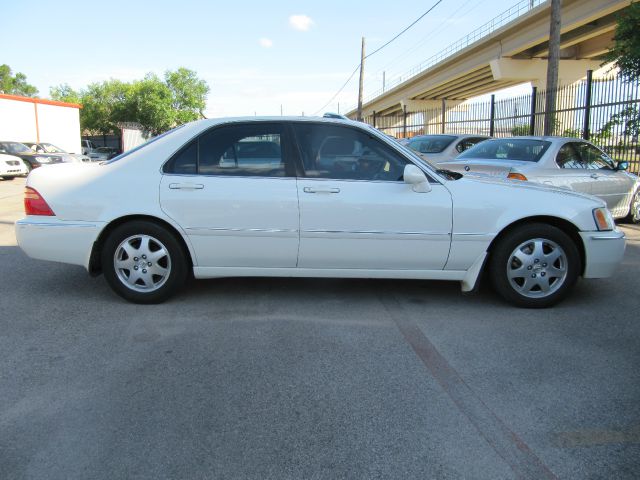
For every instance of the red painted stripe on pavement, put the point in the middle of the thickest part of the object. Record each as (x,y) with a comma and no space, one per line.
(505,442)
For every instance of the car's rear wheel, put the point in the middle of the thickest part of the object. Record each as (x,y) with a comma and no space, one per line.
(143,262)
(534,266)
(634,209)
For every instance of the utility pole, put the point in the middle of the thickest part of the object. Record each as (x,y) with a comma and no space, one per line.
(359,114)
(552,67)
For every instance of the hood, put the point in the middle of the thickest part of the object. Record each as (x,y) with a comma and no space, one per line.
(519,184)
(5,157)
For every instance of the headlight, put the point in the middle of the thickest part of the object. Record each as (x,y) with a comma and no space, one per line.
(603,218)
(43,159)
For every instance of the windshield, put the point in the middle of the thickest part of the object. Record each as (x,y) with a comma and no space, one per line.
(523,149)
(15,147)
(430,143)
(50,148)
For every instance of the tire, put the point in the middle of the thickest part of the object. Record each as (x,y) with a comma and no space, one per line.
(8,178)
(143,262)
(534,266)
(634,209)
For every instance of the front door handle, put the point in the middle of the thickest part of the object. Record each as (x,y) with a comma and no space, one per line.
(186,186)
(320,190)
(594,175)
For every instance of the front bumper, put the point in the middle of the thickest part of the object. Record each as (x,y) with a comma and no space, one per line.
(13,170)
(603,252)
(48,238)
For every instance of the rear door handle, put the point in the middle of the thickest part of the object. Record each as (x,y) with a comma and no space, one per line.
(320,190)
(186,186)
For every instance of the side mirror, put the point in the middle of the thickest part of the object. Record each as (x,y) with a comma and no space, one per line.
(622,166)
(416,177)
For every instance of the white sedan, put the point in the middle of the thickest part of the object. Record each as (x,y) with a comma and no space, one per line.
(570,163)
(11,167)
(308,197)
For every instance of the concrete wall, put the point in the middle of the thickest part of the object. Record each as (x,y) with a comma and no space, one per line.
(29,119)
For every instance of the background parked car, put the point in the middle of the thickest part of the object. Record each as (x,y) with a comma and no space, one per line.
(101,154)
(30,158)
(442,148)
(566,162)
(11,166)
(52,149)
(87,147)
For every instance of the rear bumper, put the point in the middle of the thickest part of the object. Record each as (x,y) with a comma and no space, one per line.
(603,252)
(48,238)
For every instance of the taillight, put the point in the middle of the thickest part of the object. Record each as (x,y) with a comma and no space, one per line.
(34,204)
(517,176)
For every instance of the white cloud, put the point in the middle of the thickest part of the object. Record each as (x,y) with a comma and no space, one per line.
(300,22)
(266,42)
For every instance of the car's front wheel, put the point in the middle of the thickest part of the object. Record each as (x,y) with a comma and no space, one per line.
(143,262)
(534,266)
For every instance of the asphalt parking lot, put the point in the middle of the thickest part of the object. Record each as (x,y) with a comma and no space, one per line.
(293,379)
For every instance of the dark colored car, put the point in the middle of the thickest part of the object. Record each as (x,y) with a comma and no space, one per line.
(29,157)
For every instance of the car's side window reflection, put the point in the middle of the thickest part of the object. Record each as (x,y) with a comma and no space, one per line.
(594,159)
(346,153)
(239,150)
(568,157)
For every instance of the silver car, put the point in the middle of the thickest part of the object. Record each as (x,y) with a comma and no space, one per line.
(442,148)
(50,148)
(571,163)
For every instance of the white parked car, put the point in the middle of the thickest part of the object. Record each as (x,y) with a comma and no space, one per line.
(570,163)
(441,147)
(11,167)
(308,197)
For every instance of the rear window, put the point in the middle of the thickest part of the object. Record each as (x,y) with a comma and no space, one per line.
(523,149)
(430,143)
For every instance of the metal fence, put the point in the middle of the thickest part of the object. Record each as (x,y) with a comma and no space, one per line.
(605,111)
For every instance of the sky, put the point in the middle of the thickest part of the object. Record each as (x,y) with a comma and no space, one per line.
(259,58)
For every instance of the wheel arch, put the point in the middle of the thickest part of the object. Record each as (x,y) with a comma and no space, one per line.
(566,226)
(95,267)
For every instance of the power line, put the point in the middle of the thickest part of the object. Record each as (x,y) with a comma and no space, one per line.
(338,92)
(376,51)
(414,22)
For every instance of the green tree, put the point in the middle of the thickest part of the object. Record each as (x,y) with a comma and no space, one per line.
(149,103)
(156,104)
(64,93)
(15,84)
(104,106)
(626,49)
(189,94)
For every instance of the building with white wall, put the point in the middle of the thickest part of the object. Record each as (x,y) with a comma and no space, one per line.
(25,119)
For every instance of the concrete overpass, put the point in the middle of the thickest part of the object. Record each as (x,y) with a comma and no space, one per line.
(514,53)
